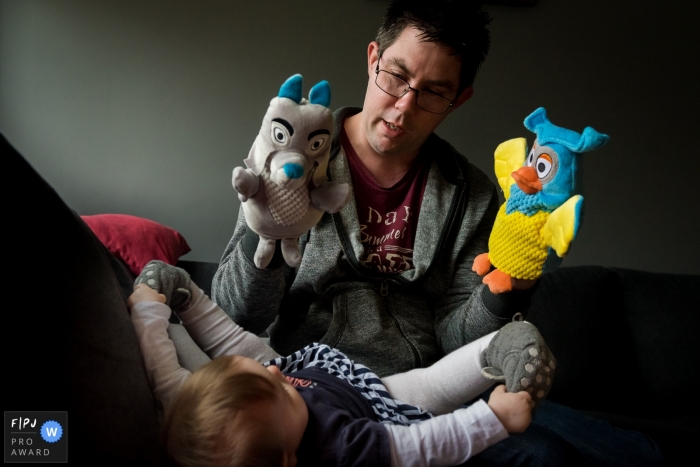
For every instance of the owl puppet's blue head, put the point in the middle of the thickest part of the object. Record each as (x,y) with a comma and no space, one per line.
(551,170)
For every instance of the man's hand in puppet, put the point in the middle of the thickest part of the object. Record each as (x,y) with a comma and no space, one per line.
(543,210)
(284,190)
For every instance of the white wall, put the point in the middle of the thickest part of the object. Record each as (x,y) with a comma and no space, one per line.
(145,107)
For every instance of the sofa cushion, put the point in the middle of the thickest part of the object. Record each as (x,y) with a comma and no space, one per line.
(201,273)
(662,314)
(580,312)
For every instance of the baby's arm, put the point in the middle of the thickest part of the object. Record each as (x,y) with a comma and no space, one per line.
(452,439)
(149,314)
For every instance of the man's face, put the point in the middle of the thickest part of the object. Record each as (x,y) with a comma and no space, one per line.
(396,126)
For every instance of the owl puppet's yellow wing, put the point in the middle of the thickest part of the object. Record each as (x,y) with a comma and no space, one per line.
(563,224)
(509,156)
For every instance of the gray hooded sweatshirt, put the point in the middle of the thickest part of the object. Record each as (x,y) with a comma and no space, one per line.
(391,323)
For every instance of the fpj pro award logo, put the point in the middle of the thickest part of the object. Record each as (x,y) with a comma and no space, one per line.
(36,437)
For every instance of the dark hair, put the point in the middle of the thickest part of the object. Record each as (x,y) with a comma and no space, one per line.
(458,25)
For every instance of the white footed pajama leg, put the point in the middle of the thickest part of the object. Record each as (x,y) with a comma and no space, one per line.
(217,334)
(446,385)
(211,329)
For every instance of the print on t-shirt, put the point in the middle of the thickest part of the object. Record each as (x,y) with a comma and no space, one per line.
(299,382)
(388,239)
(388,217)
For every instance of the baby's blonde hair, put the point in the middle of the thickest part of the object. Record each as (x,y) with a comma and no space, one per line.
(212,420)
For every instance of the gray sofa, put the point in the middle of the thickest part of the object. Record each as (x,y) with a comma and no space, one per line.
(625,346)
(624,339)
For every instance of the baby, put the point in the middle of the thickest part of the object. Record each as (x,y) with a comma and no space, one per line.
(317,407)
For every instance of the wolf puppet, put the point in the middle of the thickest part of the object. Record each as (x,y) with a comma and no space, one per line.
(284,189)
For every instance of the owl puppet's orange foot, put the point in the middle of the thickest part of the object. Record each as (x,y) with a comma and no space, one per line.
(482,264)
(498,282)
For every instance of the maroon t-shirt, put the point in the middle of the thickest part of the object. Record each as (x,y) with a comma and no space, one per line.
(388,216)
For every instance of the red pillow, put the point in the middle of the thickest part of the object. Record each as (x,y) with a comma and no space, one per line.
(136,240)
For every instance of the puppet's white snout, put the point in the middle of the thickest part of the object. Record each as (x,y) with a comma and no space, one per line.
(290,169)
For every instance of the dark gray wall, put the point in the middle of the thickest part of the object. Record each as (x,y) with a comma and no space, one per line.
(145,107)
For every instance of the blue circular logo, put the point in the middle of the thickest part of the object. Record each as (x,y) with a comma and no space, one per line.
(51,431)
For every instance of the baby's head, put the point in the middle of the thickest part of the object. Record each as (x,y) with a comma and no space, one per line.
(235,412)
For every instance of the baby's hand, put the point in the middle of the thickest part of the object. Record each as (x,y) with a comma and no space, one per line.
(513,409)
(143,293)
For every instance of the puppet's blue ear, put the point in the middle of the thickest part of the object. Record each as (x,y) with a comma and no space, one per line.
(321,94)
(590,140)
(291,88)
(536,119)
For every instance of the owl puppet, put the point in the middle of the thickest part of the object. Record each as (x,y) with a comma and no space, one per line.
(543,209)
(283,189)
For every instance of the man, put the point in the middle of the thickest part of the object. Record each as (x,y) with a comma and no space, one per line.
(388,279)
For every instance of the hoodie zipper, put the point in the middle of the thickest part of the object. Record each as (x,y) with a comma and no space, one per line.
(384,285)
(384,292)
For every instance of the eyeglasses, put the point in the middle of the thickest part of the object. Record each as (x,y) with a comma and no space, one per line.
(397,87)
